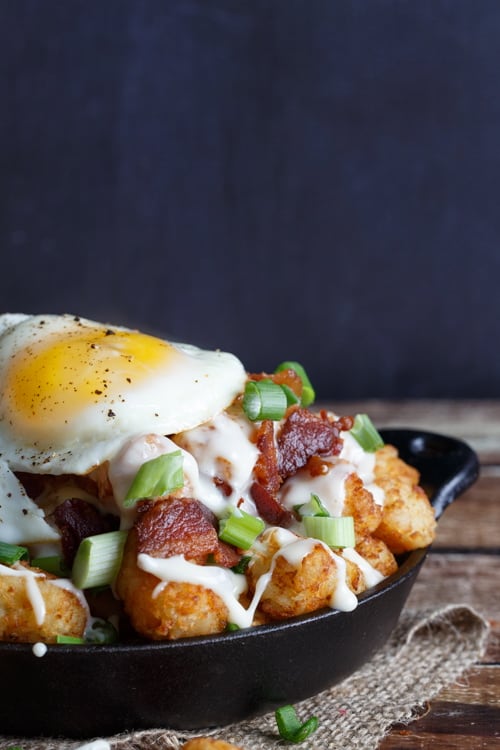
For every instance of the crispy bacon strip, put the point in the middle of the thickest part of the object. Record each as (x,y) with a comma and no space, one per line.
(266,468)
(269,507)
(181,526)
(303,435)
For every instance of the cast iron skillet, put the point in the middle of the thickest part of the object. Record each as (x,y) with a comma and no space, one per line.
(88,691)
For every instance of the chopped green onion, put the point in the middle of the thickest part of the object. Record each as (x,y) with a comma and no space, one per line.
(157,477)
(366,434)
(336,532)
(291,396)
(52,564)
(291,728)
(98,559)
(242,564)
(264,399)
(308,393)
(101,632)
(240,529)
(313,508)
(69,639)
(231,627)
(12,553)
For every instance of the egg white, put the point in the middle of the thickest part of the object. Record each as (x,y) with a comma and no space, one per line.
(67,413)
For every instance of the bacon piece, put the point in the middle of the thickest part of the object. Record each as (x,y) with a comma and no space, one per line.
(266,467)
(269,507)
(305,434)
(77,519)
(181,526)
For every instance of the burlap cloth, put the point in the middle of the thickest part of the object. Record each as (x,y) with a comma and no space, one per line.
(428,650)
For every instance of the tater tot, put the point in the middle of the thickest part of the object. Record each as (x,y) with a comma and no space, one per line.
(61,611)
(178,610)
(299,583)
(359,504)
(408,520)
(389,466)
(377,554)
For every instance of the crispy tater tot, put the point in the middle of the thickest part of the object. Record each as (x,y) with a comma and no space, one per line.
(359,504)
(302,580)
(176,610)
(205,743)
(377,554)
(408,520)
(389,466)
(42,613)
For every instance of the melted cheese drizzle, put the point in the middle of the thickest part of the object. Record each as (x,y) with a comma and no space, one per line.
(371,575)
(222,447)
(330,487)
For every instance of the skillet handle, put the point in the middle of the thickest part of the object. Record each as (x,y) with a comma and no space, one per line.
(448,466)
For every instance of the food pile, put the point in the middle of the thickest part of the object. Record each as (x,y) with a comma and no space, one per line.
(151,489)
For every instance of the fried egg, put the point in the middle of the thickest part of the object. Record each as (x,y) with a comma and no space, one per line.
(74,390)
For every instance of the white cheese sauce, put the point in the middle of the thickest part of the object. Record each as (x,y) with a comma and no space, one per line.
(329,487)
(223,449)
(227,585)
(371,575)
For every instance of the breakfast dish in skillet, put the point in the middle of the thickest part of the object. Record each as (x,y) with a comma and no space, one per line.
(150,489)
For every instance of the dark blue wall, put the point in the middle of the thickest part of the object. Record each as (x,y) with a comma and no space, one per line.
(306,179)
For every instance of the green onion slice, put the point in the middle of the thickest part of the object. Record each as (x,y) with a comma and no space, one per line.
(157,477)
(240,529)
(52,564)
(308,393)
(72,639)
(98,559)
(291,397)
(291,728)
(12,553)
(264,399)
(366,434)
(336,532)
(242,564)
(313,508)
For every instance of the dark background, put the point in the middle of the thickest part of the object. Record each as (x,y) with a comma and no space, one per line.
(297,179)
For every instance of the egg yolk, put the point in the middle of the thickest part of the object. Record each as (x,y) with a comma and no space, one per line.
(56,377)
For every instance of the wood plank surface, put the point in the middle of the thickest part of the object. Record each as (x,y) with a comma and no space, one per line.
(463,567)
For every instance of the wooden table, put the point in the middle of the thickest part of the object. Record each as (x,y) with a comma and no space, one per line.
(465,715)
